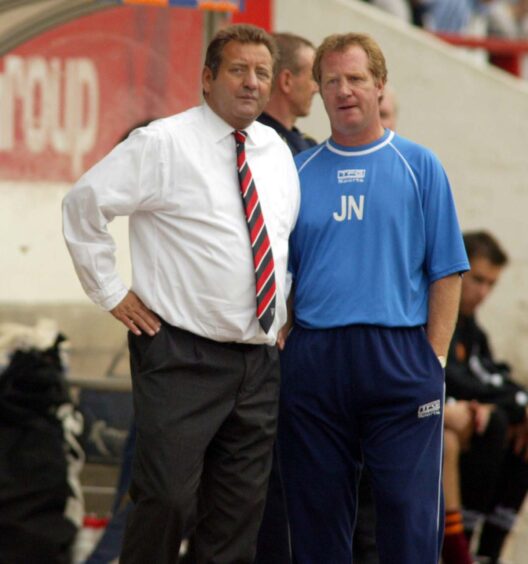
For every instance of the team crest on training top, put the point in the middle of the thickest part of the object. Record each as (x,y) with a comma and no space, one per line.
(351,175)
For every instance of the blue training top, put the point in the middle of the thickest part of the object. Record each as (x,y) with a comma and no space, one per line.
(377,225)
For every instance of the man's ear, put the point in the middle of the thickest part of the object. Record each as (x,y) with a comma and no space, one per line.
(207,78)
(284,81)
(381,89)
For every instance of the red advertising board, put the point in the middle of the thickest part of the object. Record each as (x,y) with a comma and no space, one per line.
(68,95)
(257,12)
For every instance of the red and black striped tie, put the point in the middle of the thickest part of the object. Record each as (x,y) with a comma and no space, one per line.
(258,236)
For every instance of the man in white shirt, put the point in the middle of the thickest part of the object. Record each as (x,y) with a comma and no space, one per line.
(204,367)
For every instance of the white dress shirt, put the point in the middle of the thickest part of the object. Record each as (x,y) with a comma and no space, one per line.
(191,257)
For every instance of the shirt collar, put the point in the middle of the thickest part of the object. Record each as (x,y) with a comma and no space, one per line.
(220,129)
(359,150)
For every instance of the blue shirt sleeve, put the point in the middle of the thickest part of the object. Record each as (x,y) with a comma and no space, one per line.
(445,252)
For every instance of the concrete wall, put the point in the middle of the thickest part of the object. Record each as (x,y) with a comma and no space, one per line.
(33,250)
(473,116)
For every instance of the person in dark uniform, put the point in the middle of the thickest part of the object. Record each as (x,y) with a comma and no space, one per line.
(493,468)
(291,98)
(293,90)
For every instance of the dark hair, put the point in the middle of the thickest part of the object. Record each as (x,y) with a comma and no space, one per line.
(243,33)
(341,42)
(481,244)
(288,44)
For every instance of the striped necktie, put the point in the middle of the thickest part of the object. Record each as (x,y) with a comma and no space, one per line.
(258,236)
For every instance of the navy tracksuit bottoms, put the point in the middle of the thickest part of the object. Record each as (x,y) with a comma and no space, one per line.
(362,395)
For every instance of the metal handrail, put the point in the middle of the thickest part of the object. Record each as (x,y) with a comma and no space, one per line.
(504,53)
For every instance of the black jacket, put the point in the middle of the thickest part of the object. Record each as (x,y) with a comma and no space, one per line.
(473,374)
(296,141)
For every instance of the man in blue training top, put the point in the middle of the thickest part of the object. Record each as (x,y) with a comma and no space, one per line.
(376,258)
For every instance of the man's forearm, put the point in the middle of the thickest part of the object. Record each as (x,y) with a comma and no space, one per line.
(444,298)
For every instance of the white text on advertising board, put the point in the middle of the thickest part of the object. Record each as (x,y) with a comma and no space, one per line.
(54,103)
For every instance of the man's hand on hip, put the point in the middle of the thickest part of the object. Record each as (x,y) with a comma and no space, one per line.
(134,315)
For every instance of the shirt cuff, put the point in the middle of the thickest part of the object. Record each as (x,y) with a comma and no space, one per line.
(110,297)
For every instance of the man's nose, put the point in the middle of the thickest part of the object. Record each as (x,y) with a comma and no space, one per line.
(250,79)
(343,88)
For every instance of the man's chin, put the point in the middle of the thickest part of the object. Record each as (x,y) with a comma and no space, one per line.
(241,122)
(248,117)
(467,311)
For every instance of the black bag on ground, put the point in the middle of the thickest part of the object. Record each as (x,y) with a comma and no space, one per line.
(34,486)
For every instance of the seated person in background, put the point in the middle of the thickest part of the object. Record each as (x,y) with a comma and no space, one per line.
(493,469)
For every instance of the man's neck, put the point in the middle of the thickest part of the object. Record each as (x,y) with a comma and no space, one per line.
(357,138)
(278,110)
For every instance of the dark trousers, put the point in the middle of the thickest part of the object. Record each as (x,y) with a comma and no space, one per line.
(206,419)
(482,463)
(494,482)
(362,394)
(273,544)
